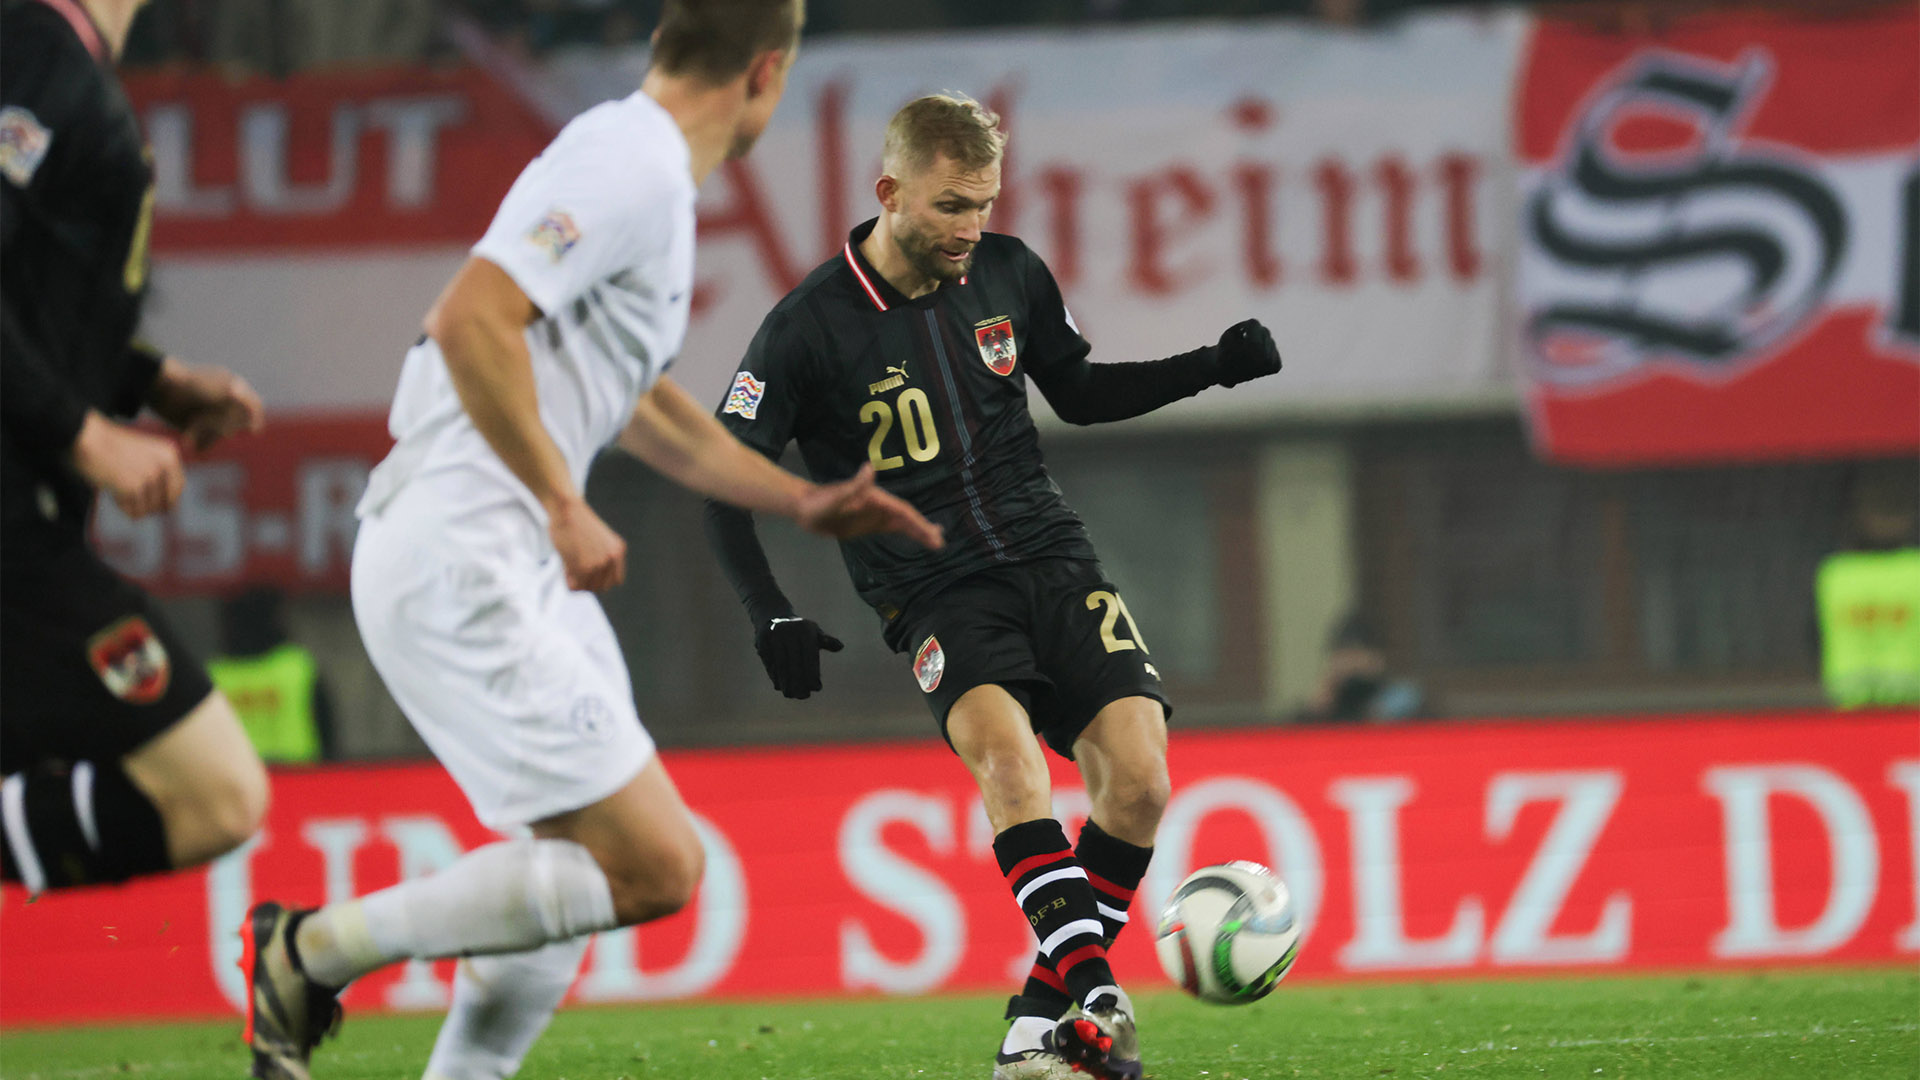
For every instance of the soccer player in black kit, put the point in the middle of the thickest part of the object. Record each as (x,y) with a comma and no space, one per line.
(909,351)
(120,758)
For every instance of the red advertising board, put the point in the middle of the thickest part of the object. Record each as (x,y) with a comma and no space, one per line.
(386,157)
(275,507)
(1720,237)
(1690,842)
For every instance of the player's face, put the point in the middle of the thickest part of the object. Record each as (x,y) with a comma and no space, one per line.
(765,89)
(939,213)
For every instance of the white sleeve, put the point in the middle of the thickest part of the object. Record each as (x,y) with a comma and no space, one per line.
(581,212)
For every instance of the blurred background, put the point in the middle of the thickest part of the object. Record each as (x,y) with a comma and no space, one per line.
(1531,455)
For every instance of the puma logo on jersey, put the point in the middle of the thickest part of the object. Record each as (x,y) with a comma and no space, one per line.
(899,379)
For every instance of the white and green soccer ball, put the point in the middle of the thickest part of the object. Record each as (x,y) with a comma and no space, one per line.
(1229,933)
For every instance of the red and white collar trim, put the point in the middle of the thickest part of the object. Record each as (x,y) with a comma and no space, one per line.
(83,27)
(873,294)
(866,283)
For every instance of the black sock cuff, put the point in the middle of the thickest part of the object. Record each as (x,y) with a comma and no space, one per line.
(85,823)
(1042,836)
(1112,858)
(1049,1007)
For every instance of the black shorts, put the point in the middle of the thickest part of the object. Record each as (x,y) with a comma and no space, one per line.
(1054,633)
(88,669)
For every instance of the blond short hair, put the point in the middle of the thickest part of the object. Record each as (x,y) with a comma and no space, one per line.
(951,124)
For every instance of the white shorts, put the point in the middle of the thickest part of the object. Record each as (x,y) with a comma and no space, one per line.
(514,681)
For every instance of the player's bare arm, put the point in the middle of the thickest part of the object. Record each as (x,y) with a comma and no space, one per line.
(205,404)
(140,470)
(479,323)
(671,432)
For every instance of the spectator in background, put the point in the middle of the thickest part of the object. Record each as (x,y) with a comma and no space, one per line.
(1357,685)
(1868,597)
(272,680)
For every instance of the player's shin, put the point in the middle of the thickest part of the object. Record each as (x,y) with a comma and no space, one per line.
(501,898)
(79,824)
(501,1004)
(1053,892)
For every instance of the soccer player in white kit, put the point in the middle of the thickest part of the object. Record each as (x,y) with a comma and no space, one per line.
(477,551)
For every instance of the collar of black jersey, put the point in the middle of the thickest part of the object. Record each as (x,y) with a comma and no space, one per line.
(84,28)
(878,290)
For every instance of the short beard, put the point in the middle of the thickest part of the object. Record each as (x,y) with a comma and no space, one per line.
(925,256)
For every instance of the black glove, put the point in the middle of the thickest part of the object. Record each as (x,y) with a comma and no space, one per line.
(789,649)
(1247,352)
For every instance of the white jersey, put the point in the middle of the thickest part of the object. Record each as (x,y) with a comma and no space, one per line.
(598,231)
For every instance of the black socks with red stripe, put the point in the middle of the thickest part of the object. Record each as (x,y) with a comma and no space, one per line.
(1057,897)
(1114,869)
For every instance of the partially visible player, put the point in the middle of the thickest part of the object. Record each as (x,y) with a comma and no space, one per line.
(120,757)
(477,554)
(908,354)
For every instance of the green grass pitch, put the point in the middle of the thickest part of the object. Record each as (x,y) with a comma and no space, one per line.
(1820,1025)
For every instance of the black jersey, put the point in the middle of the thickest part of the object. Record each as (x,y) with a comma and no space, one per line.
(932,392)
(76,192)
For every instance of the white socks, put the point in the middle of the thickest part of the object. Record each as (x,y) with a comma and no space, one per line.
(500,1005)
(502,898)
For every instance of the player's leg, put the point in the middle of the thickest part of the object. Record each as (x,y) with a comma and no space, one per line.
(1123,759)
(1112,721)
(120,758)
(1122,756)
(517,686)
(629,858)
(501,1004)
(204,778)
(991,732)
(993,735)
(503,898)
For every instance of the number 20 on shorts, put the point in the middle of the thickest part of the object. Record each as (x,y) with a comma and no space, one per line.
(1115,609)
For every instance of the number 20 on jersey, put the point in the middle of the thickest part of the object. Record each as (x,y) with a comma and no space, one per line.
(913,414)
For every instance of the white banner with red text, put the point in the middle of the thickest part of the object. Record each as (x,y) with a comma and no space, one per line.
(1486,848)
(1347,188)
(1720,237)
(270,508)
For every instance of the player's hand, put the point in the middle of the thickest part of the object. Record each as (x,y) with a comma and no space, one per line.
(142,472)
(205,404)
(790,649)
(858,507)
(1247,352)
(593,554)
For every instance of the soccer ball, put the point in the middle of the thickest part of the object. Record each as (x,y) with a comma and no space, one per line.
(1229,933)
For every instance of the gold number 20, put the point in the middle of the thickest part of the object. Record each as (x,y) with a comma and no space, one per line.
(916,426)
(1116,609)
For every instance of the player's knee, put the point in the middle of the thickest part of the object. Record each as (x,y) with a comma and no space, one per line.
(232,803)
(1024,792)
(1134,800)
(682,878)
(1150,797)
(659,886)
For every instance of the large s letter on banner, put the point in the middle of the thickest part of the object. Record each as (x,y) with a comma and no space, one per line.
(1718,232)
